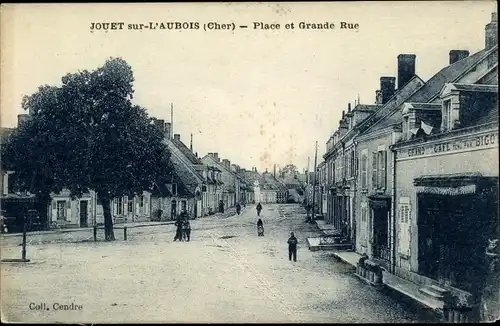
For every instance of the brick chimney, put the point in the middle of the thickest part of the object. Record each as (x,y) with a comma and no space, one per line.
(216,157)
(457,55)
(177,137)
(160,124)
(406,68)
(387,88)
(22,118)
(491,33)
(226,163)
(168,130)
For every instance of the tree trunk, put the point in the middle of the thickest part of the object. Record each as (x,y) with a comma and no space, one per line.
(108,220)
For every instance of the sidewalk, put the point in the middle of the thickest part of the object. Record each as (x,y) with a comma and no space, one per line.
(407,288)
(115,226)
(326,229)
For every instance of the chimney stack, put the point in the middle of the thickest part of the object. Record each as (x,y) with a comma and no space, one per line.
(21,119)
(343,114)
(177,137)
(191,144)
(457,55)
(226,163)
(349,108)
(387,88)
(216,156)
(406,68)
(168,130)
(491,32)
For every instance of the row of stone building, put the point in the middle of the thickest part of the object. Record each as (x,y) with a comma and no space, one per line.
(412,180)
(199,185)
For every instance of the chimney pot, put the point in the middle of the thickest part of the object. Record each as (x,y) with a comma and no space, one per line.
(387,88)
(457,55)
(406,68)
(168,130)
(491,32)
(177,137)
(21,118)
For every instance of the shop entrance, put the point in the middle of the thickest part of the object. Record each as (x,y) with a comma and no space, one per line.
(448,231)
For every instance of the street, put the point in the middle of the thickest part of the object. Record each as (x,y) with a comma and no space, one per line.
(225,274)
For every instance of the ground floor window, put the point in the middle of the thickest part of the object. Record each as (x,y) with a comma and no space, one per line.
(61,210)
(183,205)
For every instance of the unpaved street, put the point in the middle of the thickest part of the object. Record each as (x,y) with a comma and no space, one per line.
(225,274)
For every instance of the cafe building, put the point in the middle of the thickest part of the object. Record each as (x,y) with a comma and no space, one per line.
(446,176)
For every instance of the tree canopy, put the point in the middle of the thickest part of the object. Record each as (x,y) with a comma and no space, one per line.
(88,135)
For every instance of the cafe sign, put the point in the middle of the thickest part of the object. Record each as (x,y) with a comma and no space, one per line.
(488,140)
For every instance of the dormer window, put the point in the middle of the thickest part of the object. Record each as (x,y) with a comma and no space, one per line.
(465,104)
(448,116)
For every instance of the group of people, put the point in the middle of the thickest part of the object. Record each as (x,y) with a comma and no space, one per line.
(183,230)
(292,241)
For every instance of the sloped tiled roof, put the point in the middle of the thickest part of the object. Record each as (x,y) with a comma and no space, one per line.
(186,176)
(431,88)
(186,152)
(267,181)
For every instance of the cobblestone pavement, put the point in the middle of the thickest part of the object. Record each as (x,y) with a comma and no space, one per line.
(225,274)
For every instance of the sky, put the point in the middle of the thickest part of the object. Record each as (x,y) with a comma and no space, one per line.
(257,97)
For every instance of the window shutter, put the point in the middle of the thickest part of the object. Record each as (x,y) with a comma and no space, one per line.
(374,170)
(146,205)
(68,210)
(54,211)
(383,172)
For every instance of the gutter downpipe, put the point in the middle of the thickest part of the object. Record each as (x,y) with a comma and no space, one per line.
(393,215)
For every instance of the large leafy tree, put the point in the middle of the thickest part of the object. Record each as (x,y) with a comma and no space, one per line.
(87,135)
(289,169)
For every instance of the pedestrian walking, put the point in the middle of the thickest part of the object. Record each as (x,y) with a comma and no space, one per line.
(186,230)
(292,247)
(259,208)
(260,228)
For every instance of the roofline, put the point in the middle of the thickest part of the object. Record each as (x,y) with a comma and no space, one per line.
(466,71)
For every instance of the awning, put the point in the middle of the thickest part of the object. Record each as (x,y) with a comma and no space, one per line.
(450,184)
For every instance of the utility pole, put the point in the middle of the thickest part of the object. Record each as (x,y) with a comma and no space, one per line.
(307,179)
(314,180)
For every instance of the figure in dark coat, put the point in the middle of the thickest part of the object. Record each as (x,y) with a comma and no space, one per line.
(292,247)
(186,230)
(259,208)
(178,231)
(221,206)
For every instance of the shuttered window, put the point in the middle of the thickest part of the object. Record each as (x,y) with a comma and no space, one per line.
(404,228)
(364,167)
(382,168)
(374,171)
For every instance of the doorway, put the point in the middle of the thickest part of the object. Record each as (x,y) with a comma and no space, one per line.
(447,231)
(84,213)
(173,210)
(381,233)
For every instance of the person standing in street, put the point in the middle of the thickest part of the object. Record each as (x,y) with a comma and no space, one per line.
(292,247)
(186,230)
(178,231)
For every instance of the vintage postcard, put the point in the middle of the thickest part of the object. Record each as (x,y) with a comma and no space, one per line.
(319,162)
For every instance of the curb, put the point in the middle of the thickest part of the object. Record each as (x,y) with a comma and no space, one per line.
(115,226)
